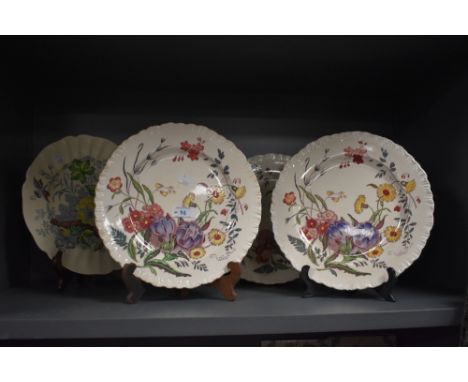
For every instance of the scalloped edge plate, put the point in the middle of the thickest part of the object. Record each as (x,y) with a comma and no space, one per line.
(77,258)
(161,234)
(358,248)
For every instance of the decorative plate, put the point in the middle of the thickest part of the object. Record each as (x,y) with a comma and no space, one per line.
(265,263)
(58,202)
(180,202)
(349,206)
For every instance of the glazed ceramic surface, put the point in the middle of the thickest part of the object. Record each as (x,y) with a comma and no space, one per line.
(265,263)
(180,202)
(349,206)
(58,202)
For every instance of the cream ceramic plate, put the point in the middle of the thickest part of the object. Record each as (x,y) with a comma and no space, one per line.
(265,263)
(58,202)
(350,205)
(179,201)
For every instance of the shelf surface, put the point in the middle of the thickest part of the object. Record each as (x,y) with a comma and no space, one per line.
(99,312)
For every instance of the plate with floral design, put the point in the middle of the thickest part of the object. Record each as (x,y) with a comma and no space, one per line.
(58,202)
(265,263)
(180,202)
(349,206)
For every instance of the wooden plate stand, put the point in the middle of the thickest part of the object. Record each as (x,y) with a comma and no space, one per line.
(135,289)
(225,284)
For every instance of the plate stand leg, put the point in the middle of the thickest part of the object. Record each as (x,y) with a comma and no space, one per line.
(226,283)
(63,275)
(311,286)
(385,290)
(134,286)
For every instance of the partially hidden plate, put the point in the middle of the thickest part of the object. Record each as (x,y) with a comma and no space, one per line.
(180,202)
(265,263)
(58,202)
(349,206)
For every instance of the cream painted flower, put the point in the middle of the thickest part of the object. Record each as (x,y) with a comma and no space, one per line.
(410,186)
(216,237)
(360,204)
(188,200)
(392,233)
(197,253)
(386,192)
(239,192)
(375,252)
(217,195)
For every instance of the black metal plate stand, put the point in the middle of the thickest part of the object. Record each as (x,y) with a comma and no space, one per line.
(314,289)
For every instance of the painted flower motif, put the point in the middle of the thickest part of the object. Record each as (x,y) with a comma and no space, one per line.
(360,204)
(357,154)
(375,252)
(144,222)
(188,235)
(336,197)
(115,184)
(322,228)
(216,237)
(162,230)
(193,150)
(410,186)
(163,190)
(392,233)
(189,200)
(80,169)
(197,253)
(135,215)
(217,195)
(327,216)
(193,154)
(224,212)
(365,236)
(310,233)
(128,225)
(85,210)
(154,210)
(65,232)
(289,198)
(185,146)
(337,233)
(311,222)
(397,209)
(239,192)
(386,192)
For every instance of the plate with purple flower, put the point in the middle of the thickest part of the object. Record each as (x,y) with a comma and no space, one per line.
(350,206)
(180,202)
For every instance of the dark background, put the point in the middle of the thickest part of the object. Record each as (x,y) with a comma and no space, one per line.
(267,94)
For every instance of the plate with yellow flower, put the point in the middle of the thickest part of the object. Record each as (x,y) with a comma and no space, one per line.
(265,263)
(58,202)
(350,206)
(187,204)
